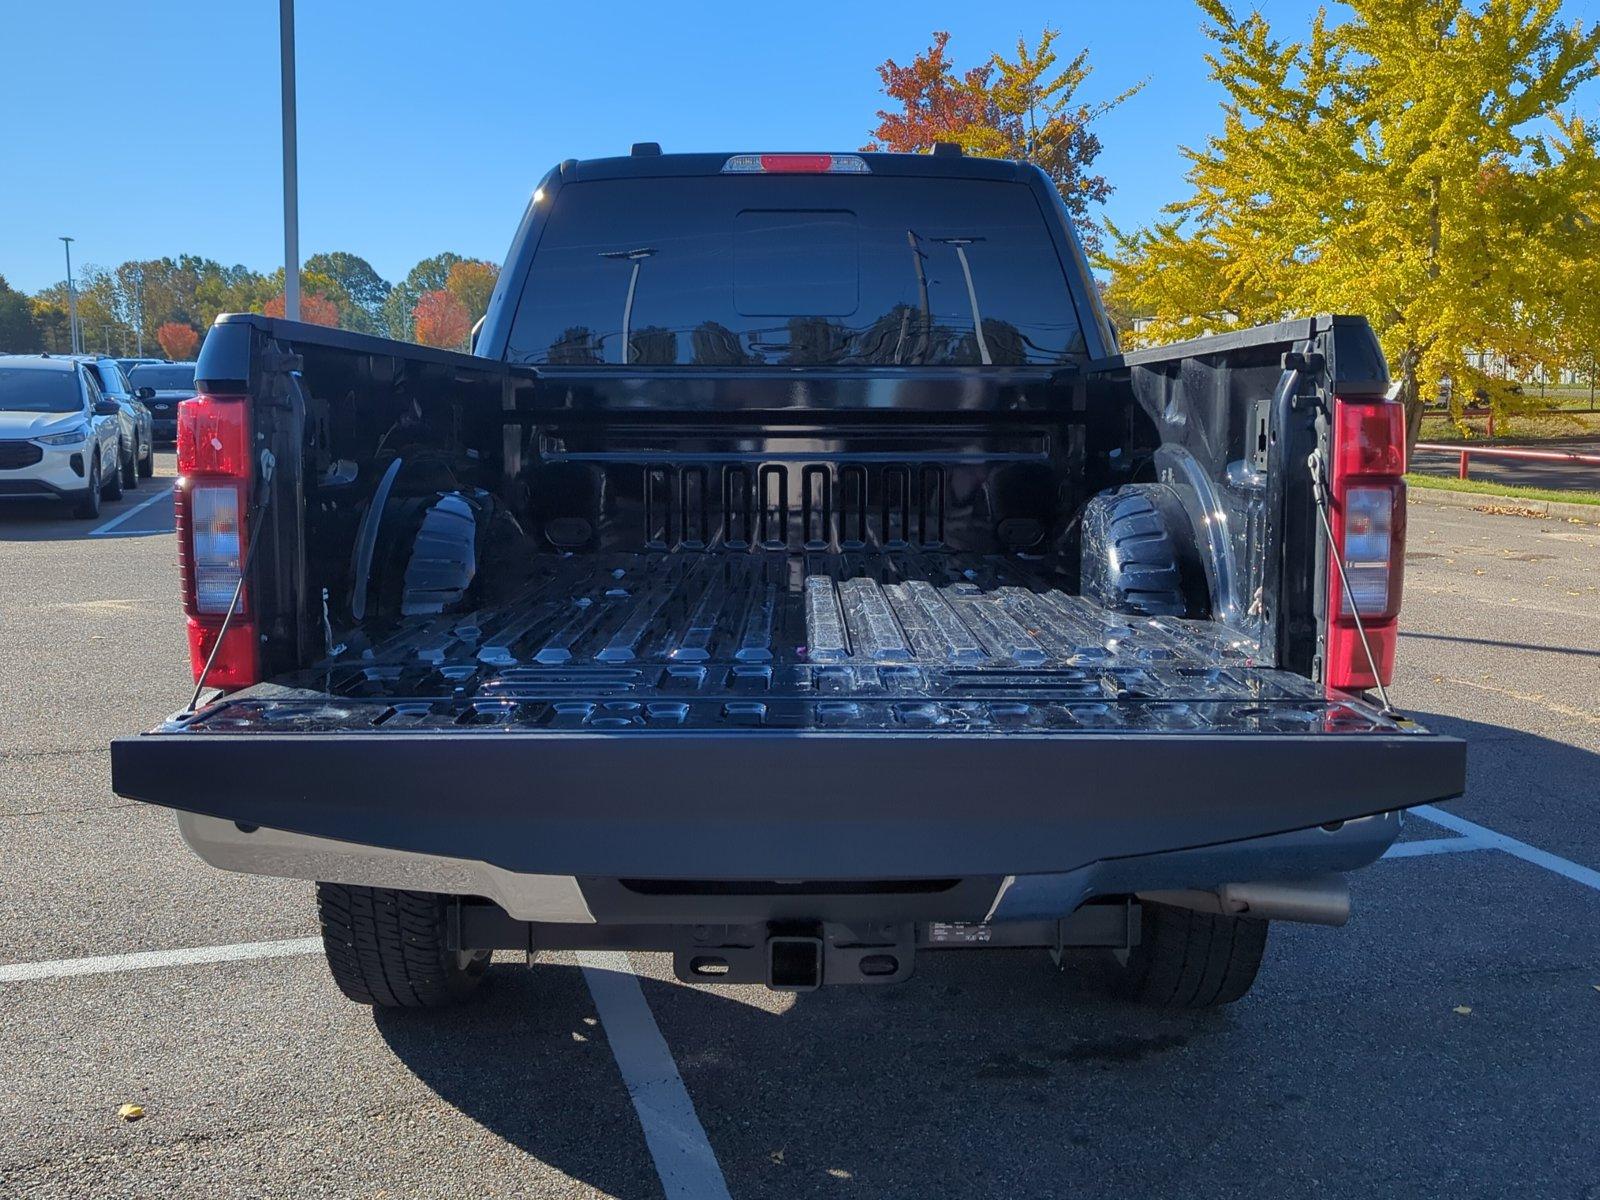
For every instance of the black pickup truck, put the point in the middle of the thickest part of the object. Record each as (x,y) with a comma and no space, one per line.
(796,579)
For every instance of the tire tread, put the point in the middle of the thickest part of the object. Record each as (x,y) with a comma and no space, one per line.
(1192,959)
(388,947)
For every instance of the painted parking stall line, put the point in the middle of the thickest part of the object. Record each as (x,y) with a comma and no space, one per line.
(111,964)
(677,1141)
(1489,839)
(1449,845)
(109,528)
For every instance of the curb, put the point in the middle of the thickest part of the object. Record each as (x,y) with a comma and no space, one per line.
(1589,513)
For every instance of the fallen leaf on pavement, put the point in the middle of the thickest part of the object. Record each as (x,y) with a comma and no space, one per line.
(131,1112)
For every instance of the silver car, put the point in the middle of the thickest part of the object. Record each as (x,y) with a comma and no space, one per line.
(137,457)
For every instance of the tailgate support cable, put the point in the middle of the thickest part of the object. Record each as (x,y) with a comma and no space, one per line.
(267,463)
(1319,491)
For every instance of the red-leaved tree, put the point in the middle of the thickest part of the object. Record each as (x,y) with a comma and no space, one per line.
(178,341)
(441,320)
(935,105)
(1023,108)
(315,309)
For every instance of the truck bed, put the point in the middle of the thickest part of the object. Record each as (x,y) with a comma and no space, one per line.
(932,643)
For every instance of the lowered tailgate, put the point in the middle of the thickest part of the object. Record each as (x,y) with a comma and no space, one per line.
(806,717)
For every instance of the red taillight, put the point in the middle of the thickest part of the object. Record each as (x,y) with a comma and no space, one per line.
(214,436)
(212,500)
(1369,525)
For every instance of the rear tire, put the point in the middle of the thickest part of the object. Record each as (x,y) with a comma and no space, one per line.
(1190,959)
(111,481)
(147,464)
(388,948)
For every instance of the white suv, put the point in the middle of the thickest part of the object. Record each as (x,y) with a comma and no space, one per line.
(59,435)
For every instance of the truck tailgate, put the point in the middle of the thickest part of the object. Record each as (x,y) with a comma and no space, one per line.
(790,717)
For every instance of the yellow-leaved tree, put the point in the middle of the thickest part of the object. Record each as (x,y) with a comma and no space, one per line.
(1417,162)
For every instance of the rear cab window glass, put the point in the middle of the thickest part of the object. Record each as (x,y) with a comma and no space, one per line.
(796,271)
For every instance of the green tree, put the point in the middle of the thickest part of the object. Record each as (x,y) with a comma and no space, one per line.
(52,320)
(429,275)
(472,282)
(19,333)
(1025,108)
(366,289)
(1414,162)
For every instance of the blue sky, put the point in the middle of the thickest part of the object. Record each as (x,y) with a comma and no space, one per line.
(426,127)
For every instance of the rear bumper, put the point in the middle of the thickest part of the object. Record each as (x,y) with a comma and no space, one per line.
(568,900)
(794,806)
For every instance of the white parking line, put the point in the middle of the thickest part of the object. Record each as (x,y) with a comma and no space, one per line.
(1449,845)
(1484,836)
(102,530)
(672,1131)
(150,959)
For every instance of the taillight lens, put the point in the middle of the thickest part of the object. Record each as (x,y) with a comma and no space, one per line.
(1370,438)
(212,501)
(1369,524)
(1369,512)
(216,531)
(214,436)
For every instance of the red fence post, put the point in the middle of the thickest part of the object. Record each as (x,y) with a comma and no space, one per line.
(1463,472)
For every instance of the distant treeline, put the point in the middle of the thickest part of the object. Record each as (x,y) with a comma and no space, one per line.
(164,306)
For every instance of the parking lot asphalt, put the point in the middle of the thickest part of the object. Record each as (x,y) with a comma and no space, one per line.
(1520,472)
(1445,1043)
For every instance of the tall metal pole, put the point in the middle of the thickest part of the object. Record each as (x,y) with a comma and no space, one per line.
(291,182)
(138,310)
(72,301)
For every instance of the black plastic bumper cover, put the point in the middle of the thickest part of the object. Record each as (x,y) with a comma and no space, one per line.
(814,806)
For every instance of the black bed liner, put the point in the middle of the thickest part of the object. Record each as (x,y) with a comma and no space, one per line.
(886,642)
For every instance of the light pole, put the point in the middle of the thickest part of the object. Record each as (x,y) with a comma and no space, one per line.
(138,309)
(291,187)
(72,299)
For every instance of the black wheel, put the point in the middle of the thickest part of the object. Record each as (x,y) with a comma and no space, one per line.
(130,469)
(1189,959)
(147,464)
(1138,554)
(88,505)
(388,948)
(111,482)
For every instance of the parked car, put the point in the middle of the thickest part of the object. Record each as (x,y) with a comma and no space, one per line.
(59,435)
(171,383)
(137,455)
(798,580)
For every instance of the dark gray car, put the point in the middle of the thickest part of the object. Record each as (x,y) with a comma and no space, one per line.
(171,384)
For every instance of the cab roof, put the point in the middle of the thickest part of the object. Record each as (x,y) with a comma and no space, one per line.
(930,166)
